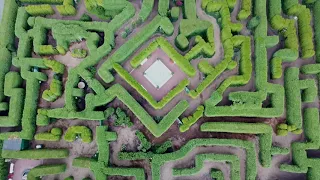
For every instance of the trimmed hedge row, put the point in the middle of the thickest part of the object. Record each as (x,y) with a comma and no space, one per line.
(45,170)
(124,52)
(245,12)
(40,10)
(163,7)
(43,1)
(233,160)
(305,29)
(79,53)
(145,145)
(54,92)
(53,135)
(190,120)
(175,13)
(36,154)
(84,132)
(263,130)
(190,11)
(144,93)
(156,129)
(316,23)
(251,170)
(201,48)
(67,9)
(293,87)
(146,9)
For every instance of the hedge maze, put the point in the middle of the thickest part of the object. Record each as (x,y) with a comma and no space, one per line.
(243,101)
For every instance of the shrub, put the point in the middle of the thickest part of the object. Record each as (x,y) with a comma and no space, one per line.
(45,170)
(163,7)
(54,135)
(85,17)
(36,154)
(56,66)
(122,119)
(145,144)
(187,122)
(160,149)
(182,42)
(175,12)
(205,67)
(246,7)
(54,92)
(67,10)
(83,131)
(190,11)
(146,9)
(39,10)
(108,112)
(79,53)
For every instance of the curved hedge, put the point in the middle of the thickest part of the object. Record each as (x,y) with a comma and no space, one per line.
(187,122)
(84,132)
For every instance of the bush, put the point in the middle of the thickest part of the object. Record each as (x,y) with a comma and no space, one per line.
(146,9)
(187,122)
(122,119)
(67,10)
(79,53)
(56,66)
(54,92)
(39,10)
(84,132)
(45,170)
(36,154)
(85,17)
(175,12)
(145,144)
(160,149)
(54,135)
(163,7)
(182,42)
(190,11)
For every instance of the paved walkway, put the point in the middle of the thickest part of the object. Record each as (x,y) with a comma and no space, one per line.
(177,77)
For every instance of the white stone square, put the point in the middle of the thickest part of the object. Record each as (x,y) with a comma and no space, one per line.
(158,74)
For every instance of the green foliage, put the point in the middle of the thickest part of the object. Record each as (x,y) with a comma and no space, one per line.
(36,154)
(145,144)
(245,12)
(83,131)
(190,11)
(146,9)
(39,10)
(69,178)
(163,7)
(122,119)
(160,149)
(283,129)
(189,121)
(79,53)
(144,93)
(53,135)
(45,170)
(67,10)
(85,17)
(174,13)
(108,112)
(253,23)
(3,165)
(182,42)
(54,92)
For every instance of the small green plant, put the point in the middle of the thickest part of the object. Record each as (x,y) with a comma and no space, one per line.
(122,119)
(79,53)
(283,129)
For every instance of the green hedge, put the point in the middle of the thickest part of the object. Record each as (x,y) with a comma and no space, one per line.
(263,130)
(40,10)
(163,7)
(246,8)
(200,159)
(145,144)
(43,1)
(122,119)
(144,93)
(190,11)
(67,9)
(146,9)
(53,135)
(79,53)
(45,170)
(175,13)
(83,131)
(54,92)
(36,154)
(316,22)
(251,170)
(187,122)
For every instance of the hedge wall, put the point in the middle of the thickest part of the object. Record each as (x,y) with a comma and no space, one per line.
(53,135)
(43,1)
(83,131)
(231,160)
(175,13)
(36,154)
(245,12)
(190,120)
(40,10)
(251,171)
(144,93)
(67,9)
(146,9)
(263,130)
(45,170)
(316,22)
(163,7)
(190,11)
